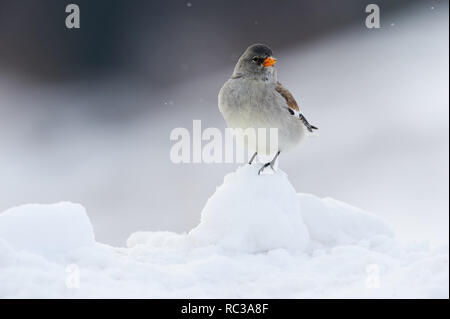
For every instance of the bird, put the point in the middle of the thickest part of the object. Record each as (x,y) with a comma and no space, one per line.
(254,98)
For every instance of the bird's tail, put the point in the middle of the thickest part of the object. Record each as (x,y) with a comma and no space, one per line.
(312,130)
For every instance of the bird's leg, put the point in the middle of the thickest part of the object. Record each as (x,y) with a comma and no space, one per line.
(271,163)
(253,157)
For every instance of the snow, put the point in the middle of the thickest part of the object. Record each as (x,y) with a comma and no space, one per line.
(256,238)
(331,222)
(233,219)
(46,229)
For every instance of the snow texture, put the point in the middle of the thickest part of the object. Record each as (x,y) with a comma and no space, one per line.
(257,238)
(47,229)
(252,213)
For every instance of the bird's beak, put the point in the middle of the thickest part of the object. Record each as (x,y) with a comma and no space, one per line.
(269,61)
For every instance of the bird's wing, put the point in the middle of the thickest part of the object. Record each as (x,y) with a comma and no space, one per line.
(291,102)
(293,106)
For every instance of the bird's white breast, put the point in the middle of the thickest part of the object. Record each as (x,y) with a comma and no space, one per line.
(247,103)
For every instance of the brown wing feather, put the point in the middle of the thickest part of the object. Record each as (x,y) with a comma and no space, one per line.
(287,96)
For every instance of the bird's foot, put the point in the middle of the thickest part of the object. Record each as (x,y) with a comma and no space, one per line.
(265,166)
(271,164)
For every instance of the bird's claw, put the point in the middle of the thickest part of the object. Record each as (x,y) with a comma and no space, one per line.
(264,166)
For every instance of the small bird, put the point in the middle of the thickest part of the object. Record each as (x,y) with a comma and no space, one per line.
(253,98)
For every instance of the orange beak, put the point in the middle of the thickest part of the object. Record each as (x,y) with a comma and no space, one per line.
(269,61)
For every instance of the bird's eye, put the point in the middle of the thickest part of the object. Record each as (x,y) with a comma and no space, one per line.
(255,59)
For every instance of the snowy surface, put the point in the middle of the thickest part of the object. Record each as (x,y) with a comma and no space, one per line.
(253,213)
(256,238)
(46,229)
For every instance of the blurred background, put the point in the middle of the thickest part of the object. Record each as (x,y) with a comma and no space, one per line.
(85,114)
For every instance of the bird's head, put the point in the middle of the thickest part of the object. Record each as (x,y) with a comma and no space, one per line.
(256,62)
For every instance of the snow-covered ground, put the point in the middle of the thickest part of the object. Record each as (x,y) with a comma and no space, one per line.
(257,238)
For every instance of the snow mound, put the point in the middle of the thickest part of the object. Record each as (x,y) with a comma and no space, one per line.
(331,222)
(252,213)
(257,238)
(46,229)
